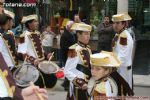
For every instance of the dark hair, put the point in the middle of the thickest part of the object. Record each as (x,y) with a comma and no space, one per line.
(123,22)
(106,16)
(76,14)
(78,31)
(9,18)
(28,22)
(44,27)
(3,19)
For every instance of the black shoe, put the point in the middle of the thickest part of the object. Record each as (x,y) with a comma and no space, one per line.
(65,84)
(66,88)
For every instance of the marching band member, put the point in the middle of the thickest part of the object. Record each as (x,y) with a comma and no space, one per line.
(104,84)
(122,45)
(31,47)
(7,40)
(30,41)
(77,68)
(101,85)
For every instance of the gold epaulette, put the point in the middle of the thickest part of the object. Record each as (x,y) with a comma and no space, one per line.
(22,38)
(100,87)
(10,32)
(37,32)
(123,39)
(22,35)
(72,51)
(73,46)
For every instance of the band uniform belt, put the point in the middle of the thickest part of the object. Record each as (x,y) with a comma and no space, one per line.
(129,67)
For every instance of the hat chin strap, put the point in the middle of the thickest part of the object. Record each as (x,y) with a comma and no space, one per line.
(103,78)
(82,44)
(121,30)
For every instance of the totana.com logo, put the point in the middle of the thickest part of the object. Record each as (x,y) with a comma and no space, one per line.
(19,4)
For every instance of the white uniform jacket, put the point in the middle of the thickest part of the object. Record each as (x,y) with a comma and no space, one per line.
(79,57)
(123,49)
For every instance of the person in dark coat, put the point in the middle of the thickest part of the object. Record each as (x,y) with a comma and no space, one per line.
(105,35)
(67,39)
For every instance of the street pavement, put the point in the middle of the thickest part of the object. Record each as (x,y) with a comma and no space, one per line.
(141,88)
(141,80)
(57,93)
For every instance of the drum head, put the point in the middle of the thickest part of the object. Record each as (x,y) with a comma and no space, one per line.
(25,74)
(48,67)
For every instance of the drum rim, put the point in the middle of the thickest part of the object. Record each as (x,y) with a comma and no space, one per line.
(57,67)
(14,74)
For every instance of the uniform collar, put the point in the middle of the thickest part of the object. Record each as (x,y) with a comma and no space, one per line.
(82,44)
(32,30)
(101,79)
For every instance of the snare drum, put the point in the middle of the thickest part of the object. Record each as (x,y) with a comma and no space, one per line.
(25,74)
(48,70)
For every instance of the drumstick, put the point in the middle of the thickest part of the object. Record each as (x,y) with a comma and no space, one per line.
(36,92)
(51,56)
(25,60)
